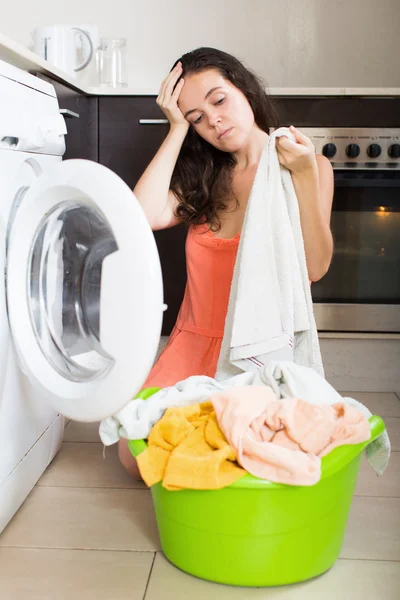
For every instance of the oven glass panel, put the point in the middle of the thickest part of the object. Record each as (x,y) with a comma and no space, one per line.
(365,225)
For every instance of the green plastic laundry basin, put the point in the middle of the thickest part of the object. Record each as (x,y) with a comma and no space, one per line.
(255,532)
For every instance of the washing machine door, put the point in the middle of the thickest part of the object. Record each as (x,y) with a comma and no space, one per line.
(4,329)
(84,289)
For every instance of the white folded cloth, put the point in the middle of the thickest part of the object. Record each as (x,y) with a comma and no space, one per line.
(285,378)
(270,313)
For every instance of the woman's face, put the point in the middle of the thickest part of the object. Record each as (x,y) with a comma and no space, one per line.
(219,112)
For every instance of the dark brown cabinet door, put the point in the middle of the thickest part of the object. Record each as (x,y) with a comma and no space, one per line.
(126,144)
(128,140)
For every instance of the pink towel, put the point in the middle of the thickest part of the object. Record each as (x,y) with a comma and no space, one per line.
(284,440)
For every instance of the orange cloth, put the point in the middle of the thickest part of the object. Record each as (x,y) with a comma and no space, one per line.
(283,440)
(186,449)
(195,342)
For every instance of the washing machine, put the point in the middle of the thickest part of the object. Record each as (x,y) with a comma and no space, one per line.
(81,297)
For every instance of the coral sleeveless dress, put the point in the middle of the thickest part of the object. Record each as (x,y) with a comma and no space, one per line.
(194,344)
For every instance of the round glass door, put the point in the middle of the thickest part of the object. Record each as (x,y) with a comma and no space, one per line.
(84,289)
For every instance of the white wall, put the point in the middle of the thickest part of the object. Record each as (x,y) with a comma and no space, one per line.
(290,43)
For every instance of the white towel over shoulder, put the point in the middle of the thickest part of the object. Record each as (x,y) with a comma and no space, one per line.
(270,314)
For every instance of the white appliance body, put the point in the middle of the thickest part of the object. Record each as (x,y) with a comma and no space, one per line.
(30,430)
(81,296)
(67,47)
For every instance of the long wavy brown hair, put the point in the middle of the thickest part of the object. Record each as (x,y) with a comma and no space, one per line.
(202,177)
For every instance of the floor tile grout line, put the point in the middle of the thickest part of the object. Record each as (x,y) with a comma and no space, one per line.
(75,549)
(394,452)
(78,487)
(389,560)
(92,487)
(380,497)
(99,442)
(98,487)
(347,392)
(155,552)
(149,577)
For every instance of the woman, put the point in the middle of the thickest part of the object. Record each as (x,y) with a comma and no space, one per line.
(202,175)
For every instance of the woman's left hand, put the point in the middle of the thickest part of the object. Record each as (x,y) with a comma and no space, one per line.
(296,156)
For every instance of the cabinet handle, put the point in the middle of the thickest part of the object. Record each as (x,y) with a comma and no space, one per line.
(153,121)
(69,113)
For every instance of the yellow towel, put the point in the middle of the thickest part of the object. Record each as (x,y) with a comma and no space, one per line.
(186,449)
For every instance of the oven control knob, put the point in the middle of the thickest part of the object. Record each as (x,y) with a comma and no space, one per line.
(353,150)
(329,150)
(394,151)
(374,150)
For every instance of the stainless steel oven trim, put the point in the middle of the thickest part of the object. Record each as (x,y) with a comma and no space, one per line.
(378,318)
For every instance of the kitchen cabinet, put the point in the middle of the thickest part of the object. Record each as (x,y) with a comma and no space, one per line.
(350,111)
(81,120)
(129,136)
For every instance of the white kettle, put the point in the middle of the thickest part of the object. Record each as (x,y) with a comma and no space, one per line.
(67,47)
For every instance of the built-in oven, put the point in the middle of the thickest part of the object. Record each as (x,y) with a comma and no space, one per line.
(361,291)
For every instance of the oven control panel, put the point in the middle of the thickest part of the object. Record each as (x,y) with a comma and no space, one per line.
(349,148)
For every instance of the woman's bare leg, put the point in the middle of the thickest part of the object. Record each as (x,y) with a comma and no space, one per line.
(127,460)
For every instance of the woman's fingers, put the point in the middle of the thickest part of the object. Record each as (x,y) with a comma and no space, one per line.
(301,138)
(177,90)
(169,82)
(167,99)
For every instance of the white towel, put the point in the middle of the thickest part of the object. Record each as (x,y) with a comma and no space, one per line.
(286,379)
(270,313)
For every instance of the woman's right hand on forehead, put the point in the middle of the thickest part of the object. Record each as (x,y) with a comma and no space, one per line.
(167,98)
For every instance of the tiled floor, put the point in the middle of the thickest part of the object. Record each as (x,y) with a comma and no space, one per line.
(88,532)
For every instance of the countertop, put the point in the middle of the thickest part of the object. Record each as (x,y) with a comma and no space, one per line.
(25,59)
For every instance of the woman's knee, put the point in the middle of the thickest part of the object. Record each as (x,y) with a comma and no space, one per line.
(127,460)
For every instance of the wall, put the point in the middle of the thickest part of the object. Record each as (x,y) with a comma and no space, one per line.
(290,43)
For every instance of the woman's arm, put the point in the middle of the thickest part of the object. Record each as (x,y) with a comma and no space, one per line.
(312,177)
(314,190)
(153,188)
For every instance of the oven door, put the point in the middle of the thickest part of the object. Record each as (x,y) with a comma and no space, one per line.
(361,291)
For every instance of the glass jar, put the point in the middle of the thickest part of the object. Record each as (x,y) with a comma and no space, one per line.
(111,62)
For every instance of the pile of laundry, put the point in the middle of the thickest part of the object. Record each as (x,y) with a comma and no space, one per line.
(201,446)
(276,424)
